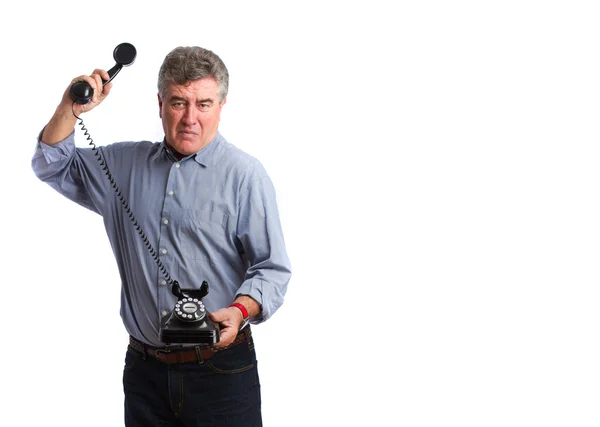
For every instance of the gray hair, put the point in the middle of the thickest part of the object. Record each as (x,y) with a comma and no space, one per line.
(185,64)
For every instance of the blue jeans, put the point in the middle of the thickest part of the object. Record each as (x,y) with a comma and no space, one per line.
(223,391)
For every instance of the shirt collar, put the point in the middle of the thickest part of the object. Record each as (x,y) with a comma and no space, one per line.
(202,157)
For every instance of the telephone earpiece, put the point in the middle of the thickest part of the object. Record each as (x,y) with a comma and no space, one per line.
(124,55)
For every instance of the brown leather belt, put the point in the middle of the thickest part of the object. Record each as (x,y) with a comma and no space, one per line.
(186,354)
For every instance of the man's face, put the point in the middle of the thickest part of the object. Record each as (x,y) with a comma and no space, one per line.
(190,114)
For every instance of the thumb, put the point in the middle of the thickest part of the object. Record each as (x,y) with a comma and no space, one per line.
(218,316)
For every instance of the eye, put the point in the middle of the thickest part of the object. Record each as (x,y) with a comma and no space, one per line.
(178,104)
(204,106)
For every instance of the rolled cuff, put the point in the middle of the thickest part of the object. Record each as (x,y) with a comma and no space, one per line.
(265,294)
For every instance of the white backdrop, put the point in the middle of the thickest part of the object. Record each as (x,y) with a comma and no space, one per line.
(436,170)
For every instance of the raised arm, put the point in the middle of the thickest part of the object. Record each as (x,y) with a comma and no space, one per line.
(63,121)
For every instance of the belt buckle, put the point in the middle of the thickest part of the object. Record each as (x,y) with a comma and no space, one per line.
(160,351)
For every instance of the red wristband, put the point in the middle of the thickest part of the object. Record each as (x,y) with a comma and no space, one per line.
(242,308)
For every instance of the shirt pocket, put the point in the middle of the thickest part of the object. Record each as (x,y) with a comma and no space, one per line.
(204,233)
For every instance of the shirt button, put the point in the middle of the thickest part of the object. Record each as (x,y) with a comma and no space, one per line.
(164,313)
(163,282)
(166,221)
(164,251)
(177,165)
(171,193)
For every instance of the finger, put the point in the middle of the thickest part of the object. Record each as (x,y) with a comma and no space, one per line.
(97,87)
(215,317)
(106,89)
(102,76)
(219,315)
(227,335)
(102,73)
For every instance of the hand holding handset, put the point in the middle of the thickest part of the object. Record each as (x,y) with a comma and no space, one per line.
(188,322)
(124,55)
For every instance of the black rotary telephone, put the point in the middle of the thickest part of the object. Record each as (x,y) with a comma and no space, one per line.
(188,322)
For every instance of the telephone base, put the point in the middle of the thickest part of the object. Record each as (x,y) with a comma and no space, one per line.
(174,331)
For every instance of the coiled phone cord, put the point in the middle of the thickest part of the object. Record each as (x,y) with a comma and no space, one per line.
(174,284)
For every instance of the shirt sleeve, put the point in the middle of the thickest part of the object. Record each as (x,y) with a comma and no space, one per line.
(260,233)
(67,170)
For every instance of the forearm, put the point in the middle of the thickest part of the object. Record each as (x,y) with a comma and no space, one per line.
(253,307)
(59,127)
(261,236)
(64,119)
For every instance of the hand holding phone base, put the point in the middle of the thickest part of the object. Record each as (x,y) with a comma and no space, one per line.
(189,321)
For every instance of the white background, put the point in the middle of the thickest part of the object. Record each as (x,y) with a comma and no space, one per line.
(436,165)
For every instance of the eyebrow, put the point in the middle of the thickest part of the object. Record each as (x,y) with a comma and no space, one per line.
(200,101)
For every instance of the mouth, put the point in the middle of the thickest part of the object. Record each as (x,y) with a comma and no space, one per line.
(187,133)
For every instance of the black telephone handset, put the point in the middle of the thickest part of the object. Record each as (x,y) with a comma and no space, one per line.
(188,322)
(124,55)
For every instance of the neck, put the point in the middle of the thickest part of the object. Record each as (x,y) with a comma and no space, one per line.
(176,153)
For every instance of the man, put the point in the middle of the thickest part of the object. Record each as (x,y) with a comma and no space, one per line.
(209,212)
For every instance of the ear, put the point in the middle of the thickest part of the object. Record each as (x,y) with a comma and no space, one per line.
(223,103)
(159,106)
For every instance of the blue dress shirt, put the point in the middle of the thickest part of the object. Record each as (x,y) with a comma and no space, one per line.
(209,216)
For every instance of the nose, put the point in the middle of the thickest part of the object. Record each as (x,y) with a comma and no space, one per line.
(188,116)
